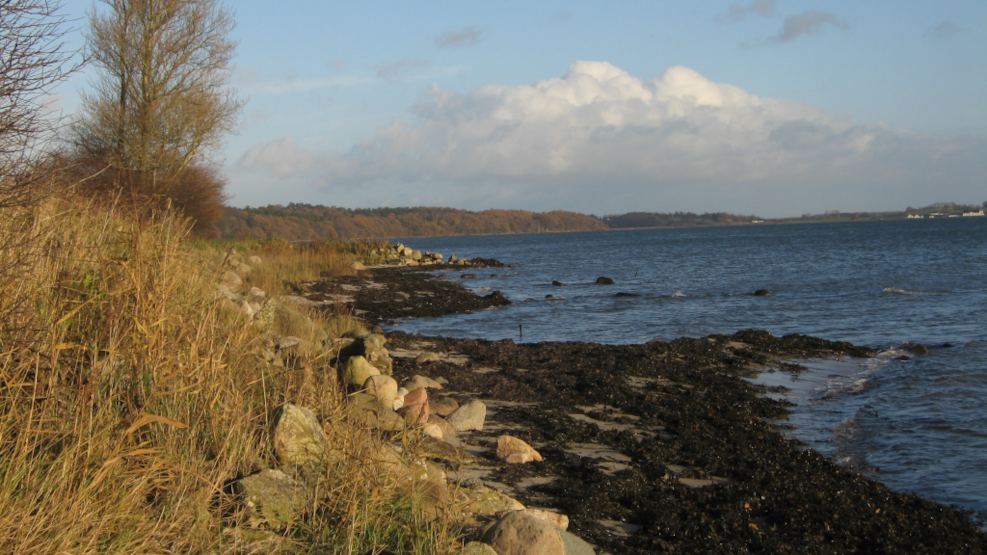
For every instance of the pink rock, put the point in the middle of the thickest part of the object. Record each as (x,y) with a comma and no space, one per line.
(415,410)
(515,451)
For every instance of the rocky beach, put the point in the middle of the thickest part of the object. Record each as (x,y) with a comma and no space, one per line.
(660,447)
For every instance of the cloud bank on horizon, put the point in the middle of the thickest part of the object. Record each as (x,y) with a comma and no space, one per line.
(600,140)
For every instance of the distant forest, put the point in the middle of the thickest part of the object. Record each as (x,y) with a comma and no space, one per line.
(304,222)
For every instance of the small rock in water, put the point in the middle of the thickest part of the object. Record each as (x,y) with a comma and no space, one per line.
(623,294)
(919,349)
(468,276)
(604,281)
(762,293)
(558,283)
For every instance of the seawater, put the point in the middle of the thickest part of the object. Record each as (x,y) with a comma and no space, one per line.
(917,424)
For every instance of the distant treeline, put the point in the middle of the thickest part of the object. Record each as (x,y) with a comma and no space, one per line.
(676,219)
(303,222)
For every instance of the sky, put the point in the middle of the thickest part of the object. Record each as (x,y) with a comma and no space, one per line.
(767,107)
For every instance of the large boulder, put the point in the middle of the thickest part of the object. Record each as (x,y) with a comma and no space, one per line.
(371,347)
(444,406)
(468,417)
(518,533)
(298,436)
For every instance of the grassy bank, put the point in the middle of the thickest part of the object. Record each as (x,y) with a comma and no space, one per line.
(130,397)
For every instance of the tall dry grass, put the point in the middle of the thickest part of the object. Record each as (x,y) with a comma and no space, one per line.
(129,398)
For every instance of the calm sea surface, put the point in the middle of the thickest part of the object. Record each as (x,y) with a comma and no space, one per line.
(916,425)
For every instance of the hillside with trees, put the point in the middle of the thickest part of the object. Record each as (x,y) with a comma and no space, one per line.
(303,222)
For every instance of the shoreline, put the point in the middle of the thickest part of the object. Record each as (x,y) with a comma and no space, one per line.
(660,447)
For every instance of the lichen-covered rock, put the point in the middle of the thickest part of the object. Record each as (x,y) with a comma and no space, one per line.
(478,548)
(273,497)
(384,388)
(366,410)
(298,436)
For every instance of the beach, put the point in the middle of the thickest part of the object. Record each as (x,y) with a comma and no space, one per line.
(660,447)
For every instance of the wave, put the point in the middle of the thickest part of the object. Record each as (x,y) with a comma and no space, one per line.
(906,291)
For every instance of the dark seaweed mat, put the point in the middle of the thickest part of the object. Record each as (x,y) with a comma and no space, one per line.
(782,498)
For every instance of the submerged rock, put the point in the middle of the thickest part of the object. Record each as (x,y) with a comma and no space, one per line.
(604,281)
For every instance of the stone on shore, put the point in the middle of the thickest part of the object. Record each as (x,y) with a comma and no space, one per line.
(468,417)
(357,266)
(555,519)
(273,497)
(415,409)
(358,371)
(518,533)
(427,357)
(478,548)
(418,381)
(298,436)
(487,502)
(254,260)
(365,410)
(442,423)
(574,545)
(444,406)
(513,450)
(384,388)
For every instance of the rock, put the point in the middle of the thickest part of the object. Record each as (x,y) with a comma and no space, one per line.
(515,451)
(426,357)
(399,400)
(254,260)
(417,382)
(444,406)
(371,347)
(468,417)
(297,435)
(257,292)
(383,388)
(574,545)
(358,371)
(919,349)
(487,502)
(623,294)
(604,281)
(558,283)
(230,280)
(442,423)
(416,255)
(432,430)
(282,342)
(274,497)
(415,409)
(518,533)
(478,548)
(367,411)
(437,449)
(762,293)
(468,276)
(555,519)
(453,259)
(357,266)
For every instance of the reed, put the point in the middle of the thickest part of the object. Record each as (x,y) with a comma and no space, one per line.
(130,397)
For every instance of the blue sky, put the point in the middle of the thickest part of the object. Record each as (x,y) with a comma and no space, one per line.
(759,106)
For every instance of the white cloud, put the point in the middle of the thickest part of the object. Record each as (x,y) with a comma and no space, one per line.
(280,157)
(600,139)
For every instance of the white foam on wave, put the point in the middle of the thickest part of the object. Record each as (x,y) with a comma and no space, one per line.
(679,294)
(906,291)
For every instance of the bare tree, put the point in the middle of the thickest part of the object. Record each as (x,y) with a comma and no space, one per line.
(161,103)
(32,61)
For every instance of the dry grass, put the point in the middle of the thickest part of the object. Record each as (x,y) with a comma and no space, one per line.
(129,398)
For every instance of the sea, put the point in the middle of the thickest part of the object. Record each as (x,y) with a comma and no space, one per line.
(915,422)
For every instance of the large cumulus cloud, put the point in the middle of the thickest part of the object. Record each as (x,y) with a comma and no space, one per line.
(600,137)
